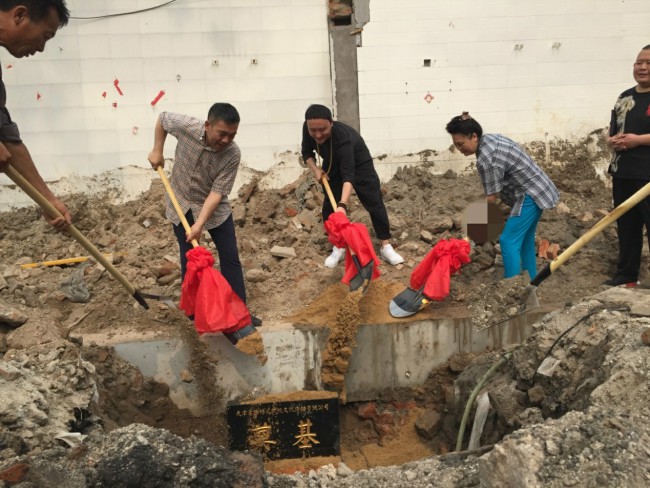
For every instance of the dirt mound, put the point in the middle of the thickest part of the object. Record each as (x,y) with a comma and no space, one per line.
(50,375)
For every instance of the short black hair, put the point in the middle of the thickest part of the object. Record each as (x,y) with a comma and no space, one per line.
(465,125)
(223,111)
(39,9)
(316,111)
(645,47)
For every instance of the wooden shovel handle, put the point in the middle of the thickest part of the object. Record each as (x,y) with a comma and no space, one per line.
(45,204)
(600,225)
(590,234)
(328,190)
(177,206)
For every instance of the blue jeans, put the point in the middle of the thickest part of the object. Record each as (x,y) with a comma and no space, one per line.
(518,241)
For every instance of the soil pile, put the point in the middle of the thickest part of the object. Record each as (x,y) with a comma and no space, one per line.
(52,381)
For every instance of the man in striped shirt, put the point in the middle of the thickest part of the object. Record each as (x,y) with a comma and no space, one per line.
(509,173)
(205,166)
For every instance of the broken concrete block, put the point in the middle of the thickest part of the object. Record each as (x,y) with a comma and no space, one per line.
(256,275)
(9,372)
(239,215)
(283,252)
(438,224)
(428,424)
(246,191)
(562,208)
(586,217)
(11,316)
(307,219)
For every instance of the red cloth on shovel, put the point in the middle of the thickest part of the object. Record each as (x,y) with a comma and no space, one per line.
(209,297)
(435,270)
(341,233)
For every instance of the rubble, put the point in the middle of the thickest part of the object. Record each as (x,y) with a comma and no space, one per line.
(582,423)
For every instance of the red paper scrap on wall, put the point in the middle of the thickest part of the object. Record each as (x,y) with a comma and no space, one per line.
(117,87)
(161,93)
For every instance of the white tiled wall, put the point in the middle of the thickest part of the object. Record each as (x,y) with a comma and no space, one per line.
(564,91)
(199,52)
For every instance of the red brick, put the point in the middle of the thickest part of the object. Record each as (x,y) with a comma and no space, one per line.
(367,410)
(290,212)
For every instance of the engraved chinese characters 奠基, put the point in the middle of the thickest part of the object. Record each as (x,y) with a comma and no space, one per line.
(306,438)
(259,437)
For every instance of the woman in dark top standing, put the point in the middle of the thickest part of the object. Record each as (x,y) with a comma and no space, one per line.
(347,165)
(630,169)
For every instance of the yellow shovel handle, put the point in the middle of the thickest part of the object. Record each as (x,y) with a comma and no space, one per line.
(177,206)
(51,210)
(600,225)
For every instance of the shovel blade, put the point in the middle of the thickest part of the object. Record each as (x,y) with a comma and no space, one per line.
(407,303)
(363,277)
(529,300)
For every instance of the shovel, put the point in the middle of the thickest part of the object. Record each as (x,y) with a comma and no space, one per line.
(364,273)
(529,299)
(51,210)
(411,301)
(219,300)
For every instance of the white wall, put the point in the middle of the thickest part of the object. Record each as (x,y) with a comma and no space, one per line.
(564,91)
(73,131)
(531,93)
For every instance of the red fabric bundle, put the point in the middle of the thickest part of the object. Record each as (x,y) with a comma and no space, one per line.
(435,270)
(209,297)
(341,233)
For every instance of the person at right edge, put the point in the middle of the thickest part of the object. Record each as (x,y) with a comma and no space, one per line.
(629,138)
(347,165)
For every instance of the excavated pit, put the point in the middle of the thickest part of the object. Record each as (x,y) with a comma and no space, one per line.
(405,382)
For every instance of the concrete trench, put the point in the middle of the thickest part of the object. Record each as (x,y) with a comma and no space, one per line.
(387,355)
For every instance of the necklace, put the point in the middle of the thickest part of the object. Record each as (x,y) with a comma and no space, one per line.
(320,158)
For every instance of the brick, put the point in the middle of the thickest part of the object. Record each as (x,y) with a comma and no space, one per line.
(367,410)
(542,248)
(552,251)
(290,212)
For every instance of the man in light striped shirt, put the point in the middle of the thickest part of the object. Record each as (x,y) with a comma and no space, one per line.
(205,166)
(509,173)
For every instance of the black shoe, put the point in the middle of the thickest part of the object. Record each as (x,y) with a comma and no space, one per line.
(622,282)
(257,322)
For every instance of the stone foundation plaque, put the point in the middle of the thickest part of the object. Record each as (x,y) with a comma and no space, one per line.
(286,429)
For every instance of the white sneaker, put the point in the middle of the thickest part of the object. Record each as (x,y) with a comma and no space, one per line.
(334,258)
(389,254)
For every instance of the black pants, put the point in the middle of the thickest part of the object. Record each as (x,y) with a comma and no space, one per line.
(368,190)
(224,238)
(630,228)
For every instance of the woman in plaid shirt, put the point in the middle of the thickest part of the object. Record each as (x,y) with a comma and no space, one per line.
(509,173)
